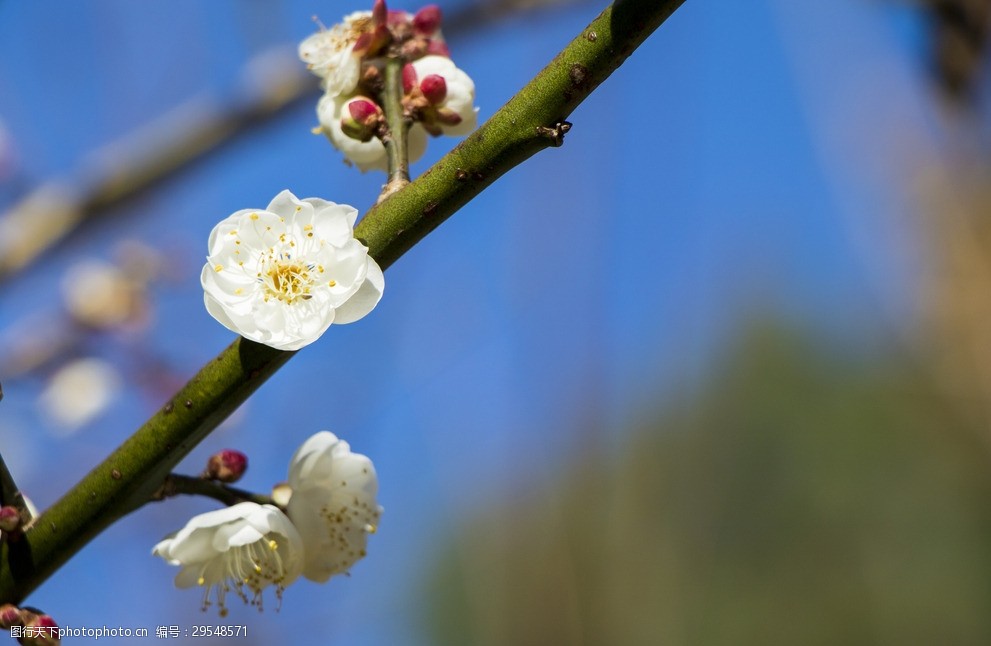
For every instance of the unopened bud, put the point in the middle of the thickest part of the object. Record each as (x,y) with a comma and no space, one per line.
(361,119)
(39,630)
(434,88)
(10,519)
(427,20)
(10,615)
(380,13)
(364,111)
(226,466)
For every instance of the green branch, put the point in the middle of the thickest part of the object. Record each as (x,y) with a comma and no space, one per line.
(396,142)
(533,120)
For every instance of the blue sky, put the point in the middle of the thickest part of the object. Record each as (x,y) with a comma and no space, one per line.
(748,156)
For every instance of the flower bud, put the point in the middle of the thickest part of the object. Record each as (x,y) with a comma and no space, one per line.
(442,96)
(10,615)
(380,13)
(361,118)
(39,630)
(366,155)
(10,519)
(427,20)
(226,466)
(434,88)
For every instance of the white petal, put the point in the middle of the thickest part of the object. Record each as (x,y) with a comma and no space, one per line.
(366,298)
(301,464)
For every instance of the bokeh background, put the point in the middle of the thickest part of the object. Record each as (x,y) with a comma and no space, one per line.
(717,371)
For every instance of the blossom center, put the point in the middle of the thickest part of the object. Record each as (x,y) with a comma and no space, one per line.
(288,281)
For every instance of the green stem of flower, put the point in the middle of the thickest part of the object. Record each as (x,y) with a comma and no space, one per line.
(532,120)
(396,149)
(176,484)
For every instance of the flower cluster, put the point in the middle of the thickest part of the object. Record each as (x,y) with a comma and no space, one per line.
(349,58)
(248,547)
(282,275)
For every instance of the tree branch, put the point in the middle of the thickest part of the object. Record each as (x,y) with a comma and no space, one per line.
(176,484)
(396,148)
(531,121)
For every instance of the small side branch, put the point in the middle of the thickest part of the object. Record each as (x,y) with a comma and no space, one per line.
(397,139)
(176,484)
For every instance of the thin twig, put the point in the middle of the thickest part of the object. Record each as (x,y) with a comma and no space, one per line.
(396,141)
(176,484)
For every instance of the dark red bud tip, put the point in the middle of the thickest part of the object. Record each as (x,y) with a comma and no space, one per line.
(427,20)
(380,13)
(438,48)
(363,111)
(39,630)
(434,88)
(409,78)
(226,466)
(10,519)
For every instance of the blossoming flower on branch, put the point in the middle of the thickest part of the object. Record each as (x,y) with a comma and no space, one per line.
(281,276)
(243,548)
(368,154)
(440,95)
(333,504)
(331,54)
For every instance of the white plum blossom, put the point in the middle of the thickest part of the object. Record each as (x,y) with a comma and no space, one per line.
(331,55)
(332,505)
(101,295)
(452,100)
(244,548)
(281,276)
(366,155)
(79,392)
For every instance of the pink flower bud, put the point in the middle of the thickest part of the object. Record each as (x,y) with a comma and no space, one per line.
(10,519)
(10,615)
(434,88)
(427,20)
(409,78)
(39,630)
(226,466)
(361,119)
(363,110)
(380,13)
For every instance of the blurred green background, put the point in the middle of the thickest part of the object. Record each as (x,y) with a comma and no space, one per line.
(798,498)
